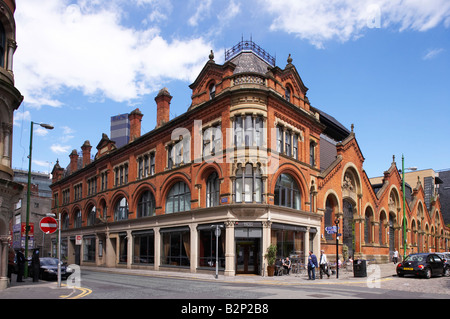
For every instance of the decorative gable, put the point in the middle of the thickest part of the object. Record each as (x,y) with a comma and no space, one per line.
(105,146)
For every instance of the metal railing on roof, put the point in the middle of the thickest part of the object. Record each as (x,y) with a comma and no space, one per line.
(243,46)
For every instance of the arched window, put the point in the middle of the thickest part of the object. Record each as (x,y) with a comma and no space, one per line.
(146,205)
(212,190)
(91,216)
(212,91)
(65,221)
(248,185)
(77,219)
(328,217)
(178,199)
(121,209)
(287,94)
(368,226)
(286,192)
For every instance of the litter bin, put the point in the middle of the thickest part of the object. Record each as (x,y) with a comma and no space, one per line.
(359,268)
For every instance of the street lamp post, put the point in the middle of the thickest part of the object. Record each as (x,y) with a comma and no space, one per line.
(217,232)
(27,225)
(337,247)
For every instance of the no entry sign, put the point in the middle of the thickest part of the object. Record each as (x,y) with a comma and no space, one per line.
(48,225)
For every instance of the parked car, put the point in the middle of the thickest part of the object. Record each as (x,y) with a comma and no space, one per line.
(445,256)
(424,265)
(49,269)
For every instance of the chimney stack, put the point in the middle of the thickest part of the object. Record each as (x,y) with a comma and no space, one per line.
(73,161)
(162,107)
(135,119)
(86,148)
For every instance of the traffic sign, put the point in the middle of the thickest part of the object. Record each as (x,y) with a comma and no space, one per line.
(331,230)
(48,225)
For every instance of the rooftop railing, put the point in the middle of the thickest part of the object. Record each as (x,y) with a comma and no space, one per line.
(243,46)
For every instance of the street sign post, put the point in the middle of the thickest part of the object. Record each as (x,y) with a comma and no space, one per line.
(48,225)
(217,232)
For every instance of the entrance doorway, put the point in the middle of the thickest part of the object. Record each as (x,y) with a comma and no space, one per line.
(348,234)
(247,255)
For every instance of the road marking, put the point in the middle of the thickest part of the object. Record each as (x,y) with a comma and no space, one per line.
(84,292)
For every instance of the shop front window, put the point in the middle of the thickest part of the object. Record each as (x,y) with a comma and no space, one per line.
(89,249)
(207,248)
(290,243)
(144,248)
(176,247)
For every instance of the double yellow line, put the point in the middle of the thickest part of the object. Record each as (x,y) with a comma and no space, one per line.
(83,293)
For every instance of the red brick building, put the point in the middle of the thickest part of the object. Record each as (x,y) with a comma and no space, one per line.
(250,155)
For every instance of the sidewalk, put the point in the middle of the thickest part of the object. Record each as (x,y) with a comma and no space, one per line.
(49,290)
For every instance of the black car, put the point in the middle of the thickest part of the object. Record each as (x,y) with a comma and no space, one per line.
(49,268)
(424,265)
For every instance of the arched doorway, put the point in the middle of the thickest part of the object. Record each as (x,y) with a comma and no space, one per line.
(348,231)
(391,234)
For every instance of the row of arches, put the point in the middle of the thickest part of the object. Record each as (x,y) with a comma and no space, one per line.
(248,185)
(380,223)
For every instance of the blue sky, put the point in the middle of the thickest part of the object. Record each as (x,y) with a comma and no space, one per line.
(381,65)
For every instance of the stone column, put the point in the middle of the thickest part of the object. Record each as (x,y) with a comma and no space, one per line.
(193,258)
(3,263)
(129,249)
(230,248)
(267,226)
(157,237)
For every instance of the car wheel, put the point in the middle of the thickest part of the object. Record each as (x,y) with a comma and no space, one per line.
(428,273)
(447,272)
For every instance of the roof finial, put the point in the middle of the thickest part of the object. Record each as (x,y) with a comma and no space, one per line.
(289,60)
(211,55)
(352,126)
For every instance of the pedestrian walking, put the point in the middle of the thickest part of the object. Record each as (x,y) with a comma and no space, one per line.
(20,264)
(323,264)
(312,265)
(395,256)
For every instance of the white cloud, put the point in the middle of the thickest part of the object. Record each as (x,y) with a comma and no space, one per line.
(20,116)
(203,8)
(67,134)
(230,12)
(323,20)
(40,131)
(432,53)
(60,149)
(67,130)
(85,47)
(44,164)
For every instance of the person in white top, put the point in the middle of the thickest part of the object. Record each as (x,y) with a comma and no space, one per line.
(323,263)
(395,256)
